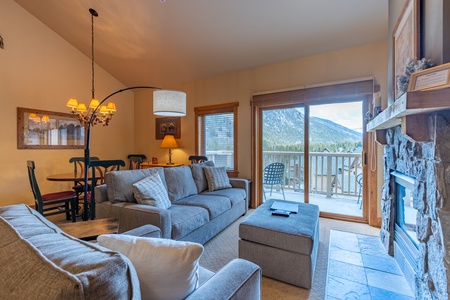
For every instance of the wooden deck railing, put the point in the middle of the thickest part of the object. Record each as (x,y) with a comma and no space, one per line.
(330,173)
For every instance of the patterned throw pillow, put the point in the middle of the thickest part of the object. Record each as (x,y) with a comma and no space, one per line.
(151,191)
(217,178)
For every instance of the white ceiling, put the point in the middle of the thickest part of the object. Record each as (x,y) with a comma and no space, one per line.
(159,43)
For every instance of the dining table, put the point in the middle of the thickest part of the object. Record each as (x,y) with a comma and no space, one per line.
(79,177)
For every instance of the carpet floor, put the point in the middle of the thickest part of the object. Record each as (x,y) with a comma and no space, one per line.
(224,248)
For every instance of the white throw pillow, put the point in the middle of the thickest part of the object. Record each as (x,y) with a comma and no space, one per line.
(167,269)
(151,191)
(217,178)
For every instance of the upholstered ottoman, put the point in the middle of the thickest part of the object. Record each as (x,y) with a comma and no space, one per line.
(284,247)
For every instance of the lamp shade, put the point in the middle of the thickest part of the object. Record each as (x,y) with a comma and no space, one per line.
(169,142)
(169,103)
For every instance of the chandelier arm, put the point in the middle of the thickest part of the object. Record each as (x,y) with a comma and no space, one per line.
(117,92)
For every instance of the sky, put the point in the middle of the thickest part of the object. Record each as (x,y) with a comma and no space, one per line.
(345,114)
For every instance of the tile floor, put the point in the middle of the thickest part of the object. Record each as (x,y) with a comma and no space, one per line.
(359,268)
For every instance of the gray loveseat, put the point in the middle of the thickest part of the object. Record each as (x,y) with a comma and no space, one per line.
(39,261)
(195,214)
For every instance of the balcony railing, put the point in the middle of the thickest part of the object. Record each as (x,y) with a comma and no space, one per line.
(330,173)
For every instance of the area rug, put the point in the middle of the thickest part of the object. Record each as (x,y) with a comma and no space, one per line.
(224,248)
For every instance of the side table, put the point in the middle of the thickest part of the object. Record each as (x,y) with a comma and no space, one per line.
(90,230)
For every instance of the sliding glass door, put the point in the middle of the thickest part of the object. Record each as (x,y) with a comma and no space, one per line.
(335,162)
(283,153)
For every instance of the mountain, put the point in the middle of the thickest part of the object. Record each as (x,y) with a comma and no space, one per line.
(284,127)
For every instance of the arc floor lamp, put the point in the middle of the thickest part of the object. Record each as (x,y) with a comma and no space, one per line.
(165,103)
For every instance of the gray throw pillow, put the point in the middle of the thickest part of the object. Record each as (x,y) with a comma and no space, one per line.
(217,178)
(180,183)
(151,191)
(199,175)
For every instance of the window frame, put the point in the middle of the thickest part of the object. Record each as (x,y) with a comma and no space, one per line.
(201,112)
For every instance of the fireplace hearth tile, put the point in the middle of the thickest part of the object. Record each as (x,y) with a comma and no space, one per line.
(365,272)
(347,271)
(385,264)
(351,257)
(377,293)
(390,282)
(345,289)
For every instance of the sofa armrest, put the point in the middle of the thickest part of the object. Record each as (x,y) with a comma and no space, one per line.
(239,279)
(101,193)
(134,215)
(243,184)
(145,231)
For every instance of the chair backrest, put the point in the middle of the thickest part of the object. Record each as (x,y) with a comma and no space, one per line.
(197,159)
(359,179)
(34,186)
(78,163)
(135,162)
(273,173)
(102,167)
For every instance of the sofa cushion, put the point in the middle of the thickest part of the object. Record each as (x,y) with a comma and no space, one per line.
(199,175)
(48,264)
(167,269)
(120,183)
(186,219)
(236,195)
(217,178)
(180,183)
(151,191)
(215,205)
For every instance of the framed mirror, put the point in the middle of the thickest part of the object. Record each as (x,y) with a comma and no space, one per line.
(41,129)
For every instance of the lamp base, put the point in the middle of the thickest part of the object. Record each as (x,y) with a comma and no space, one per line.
(170,163)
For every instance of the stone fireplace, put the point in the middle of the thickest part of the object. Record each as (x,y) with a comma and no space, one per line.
(428,164)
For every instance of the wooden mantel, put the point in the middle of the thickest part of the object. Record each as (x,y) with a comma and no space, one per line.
(410,111)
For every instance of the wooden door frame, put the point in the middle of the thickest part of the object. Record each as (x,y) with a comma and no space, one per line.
(369,192)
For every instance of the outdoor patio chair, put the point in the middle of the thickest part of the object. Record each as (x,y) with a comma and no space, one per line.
(359,181)
(273,175)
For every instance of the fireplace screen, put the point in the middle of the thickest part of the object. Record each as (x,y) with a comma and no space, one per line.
(406,213)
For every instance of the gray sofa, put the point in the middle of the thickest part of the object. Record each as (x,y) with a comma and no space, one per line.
(39,261)
(195,214)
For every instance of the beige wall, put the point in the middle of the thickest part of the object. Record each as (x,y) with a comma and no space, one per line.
(41,70)
(363,61)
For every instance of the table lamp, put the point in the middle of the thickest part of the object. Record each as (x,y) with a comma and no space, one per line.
(169,143)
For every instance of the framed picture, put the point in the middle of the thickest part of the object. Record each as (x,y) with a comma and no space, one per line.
(41,129)
(405,40)
(170,125)
(433,78)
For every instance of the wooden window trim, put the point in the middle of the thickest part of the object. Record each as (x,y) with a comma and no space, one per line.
(231,107)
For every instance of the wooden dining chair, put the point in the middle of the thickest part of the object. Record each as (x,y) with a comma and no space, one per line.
(99,169)
(50,204)
(135,161)
(197,159)
(78,168)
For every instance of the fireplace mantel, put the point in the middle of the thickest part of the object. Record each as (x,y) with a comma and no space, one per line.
(410,111)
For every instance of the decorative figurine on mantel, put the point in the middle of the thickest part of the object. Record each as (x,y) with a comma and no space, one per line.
(412,65)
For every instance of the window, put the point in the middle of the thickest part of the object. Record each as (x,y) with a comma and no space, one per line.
(216,134)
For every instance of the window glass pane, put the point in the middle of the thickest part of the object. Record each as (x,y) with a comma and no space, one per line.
(219,139)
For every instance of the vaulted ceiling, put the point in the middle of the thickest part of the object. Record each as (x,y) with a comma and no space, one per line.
(164,42)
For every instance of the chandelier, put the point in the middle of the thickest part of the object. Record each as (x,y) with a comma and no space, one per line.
(85,114)
(165,102)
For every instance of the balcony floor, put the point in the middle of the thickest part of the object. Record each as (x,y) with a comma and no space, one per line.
(337,204)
